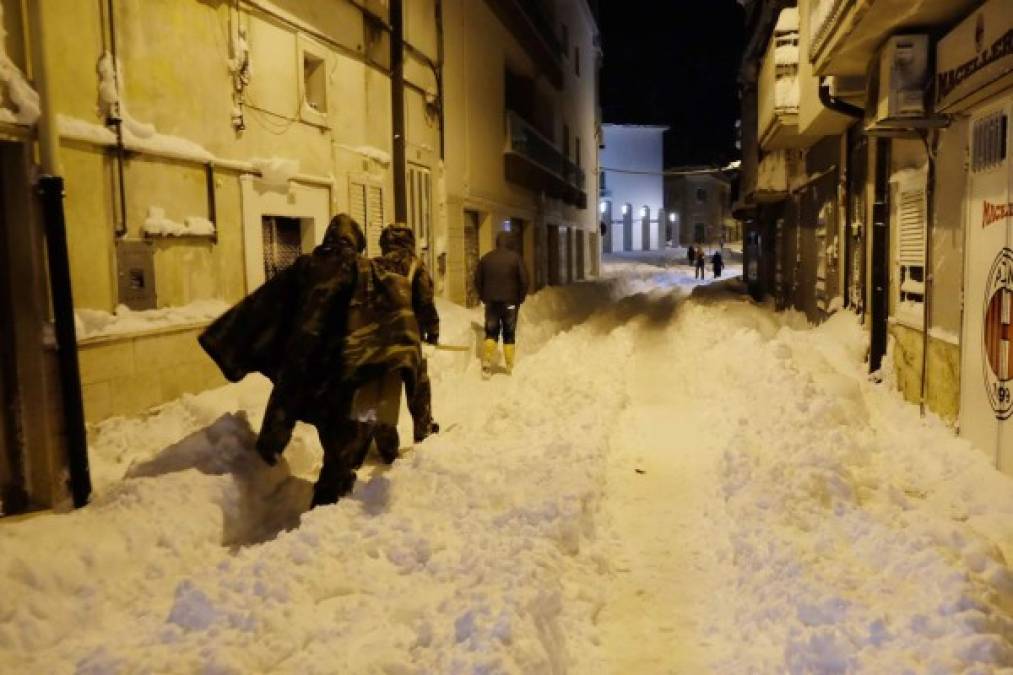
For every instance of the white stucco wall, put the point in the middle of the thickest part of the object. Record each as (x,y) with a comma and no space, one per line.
(634,148)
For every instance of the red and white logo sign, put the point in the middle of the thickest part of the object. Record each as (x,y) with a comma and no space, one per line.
(998,347)
(993,213)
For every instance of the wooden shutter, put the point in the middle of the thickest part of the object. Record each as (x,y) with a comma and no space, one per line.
(374,218)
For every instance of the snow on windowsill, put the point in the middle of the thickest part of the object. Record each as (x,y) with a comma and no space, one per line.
(158,225)
(94,325)
(368,151)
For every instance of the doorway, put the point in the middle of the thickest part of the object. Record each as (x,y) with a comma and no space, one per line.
(856,217)
(472,222)
(554,257)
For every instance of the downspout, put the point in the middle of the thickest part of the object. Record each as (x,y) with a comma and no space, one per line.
(397,109)
(836,104)
(930,149)
(115,120)
(440,56)
(50,190)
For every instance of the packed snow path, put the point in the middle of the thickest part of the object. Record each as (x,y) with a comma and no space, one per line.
(667,483)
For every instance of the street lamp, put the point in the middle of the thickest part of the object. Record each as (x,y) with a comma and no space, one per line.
(626,209)
(643,211)
(671,217)
(602,207)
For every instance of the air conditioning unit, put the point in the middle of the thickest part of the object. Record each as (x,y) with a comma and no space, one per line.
(897,85)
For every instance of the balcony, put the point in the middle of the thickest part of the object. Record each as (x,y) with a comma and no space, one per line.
(845,34)
(778,99)
(533,161)
(773,175)
(534,28)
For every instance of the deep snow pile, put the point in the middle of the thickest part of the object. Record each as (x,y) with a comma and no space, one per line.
(844,533)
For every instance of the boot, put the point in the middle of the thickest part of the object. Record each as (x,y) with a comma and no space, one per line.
(387,442)
(488,356)
(509,351)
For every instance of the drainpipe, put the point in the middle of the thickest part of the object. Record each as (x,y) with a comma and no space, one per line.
(931,145)
(115,120)
(836,104)
(440,56)
(50,190)
(397,109)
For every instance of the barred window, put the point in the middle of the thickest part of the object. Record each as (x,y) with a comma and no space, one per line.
(989,141)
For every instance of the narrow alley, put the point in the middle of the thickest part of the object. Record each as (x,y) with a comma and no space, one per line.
(649,492)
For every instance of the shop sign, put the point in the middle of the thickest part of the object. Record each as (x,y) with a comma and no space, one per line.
(976,56)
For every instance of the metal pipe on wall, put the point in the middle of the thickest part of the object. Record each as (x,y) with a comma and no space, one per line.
(397,101)
(50,188)
(931,141)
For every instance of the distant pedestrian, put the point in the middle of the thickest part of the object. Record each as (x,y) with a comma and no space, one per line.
(502,285)
(718,263)
(701,264)
(691,255)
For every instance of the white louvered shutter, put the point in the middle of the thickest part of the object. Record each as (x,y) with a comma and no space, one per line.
(374,219)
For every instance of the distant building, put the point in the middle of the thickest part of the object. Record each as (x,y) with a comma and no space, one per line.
(698,207)
(631,187)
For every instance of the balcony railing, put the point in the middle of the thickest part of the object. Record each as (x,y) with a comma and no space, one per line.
(553,172)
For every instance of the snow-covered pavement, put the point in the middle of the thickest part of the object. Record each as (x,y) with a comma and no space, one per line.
(667,483)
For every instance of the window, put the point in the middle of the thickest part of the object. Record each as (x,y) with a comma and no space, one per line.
(988,142)
(576,61)
(701,195)
(282,243)
(366,208)
(420,210)
(699,233)
(313,83)
(910,252)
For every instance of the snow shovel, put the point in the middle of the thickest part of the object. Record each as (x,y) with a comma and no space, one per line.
(452,348)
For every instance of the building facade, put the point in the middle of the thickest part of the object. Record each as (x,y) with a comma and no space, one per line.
(632,187)
(522,137)
(885,190)
(202,146)
(698,204)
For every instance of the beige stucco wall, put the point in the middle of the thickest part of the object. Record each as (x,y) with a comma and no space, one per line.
(943,395)
(126,376)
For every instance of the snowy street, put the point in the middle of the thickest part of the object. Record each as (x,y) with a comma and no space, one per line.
(674,479)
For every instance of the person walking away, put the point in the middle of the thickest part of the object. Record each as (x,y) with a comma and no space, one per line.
(718,263)
(701,264)
(293,330)
(397,247)
(502,284)
(691,255)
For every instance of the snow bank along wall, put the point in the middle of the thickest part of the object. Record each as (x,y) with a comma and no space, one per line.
(247,125)
(837,217)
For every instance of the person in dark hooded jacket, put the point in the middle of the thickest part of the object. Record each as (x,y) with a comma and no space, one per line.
(293,330)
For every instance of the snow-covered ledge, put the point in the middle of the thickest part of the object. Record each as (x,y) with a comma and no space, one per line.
(94,325)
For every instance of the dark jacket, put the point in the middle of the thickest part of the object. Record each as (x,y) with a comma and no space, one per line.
(287,329)
(501,276)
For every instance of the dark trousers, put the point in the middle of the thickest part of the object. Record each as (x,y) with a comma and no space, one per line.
(501,318)
(420,403)
(345,443)
(699,272)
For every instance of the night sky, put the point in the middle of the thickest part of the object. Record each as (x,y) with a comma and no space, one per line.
(674,62)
